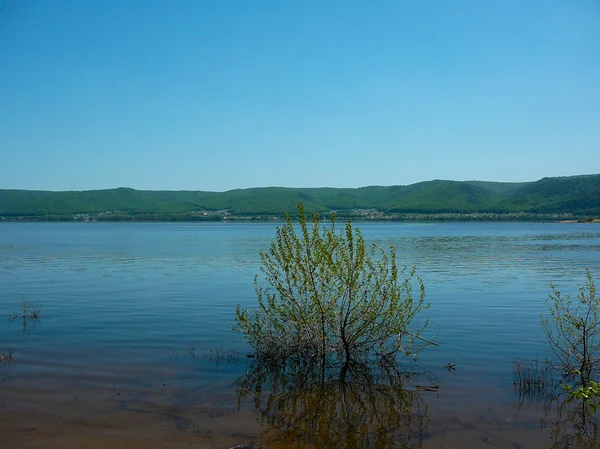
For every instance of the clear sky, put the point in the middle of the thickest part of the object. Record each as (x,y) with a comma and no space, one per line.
(223,94)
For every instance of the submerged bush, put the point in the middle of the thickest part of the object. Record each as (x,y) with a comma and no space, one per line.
(573,331)
(325,294)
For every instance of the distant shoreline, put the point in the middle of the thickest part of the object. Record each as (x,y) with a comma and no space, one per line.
(379,217)
(585,221)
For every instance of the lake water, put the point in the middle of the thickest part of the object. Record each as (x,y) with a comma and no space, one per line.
(134,339)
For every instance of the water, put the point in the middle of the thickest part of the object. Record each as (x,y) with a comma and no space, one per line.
(141,305)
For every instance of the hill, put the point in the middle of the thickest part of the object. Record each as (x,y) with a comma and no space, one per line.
(575,196)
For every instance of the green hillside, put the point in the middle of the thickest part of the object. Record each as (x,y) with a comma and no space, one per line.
(575,195)
(579,195)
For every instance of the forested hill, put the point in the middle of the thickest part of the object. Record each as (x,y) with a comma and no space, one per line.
(577,196)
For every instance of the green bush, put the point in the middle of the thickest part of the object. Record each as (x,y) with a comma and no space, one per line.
(325,294)
(573,331)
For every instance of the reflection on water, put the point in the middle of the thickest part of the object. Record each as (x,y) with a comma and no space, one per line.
(572,422)
(26,324)
(358,406)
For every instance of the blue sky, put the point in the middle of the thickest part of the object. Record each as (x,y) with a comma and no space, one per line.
(216,95)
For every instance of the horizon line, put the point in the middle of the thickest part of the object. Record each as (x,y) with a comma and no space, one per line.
(292,188)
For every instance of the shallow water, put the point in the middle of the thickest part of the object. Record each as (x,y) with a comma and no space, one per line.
(136,318)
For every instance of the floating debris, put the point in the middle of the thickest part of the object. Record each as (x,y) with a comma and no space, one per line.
(249,445)
(427,387)
(450,366)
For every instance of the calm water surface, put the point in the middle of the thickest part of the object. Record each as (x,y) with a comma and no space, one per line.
(140,304)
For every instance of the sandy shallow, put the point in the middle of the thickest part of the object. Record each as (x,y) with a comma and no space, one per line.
(50,418)
(89,413)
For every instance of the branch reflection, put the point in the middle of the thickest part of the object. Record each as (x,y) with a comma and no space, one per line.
(300,405)
(572,421)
